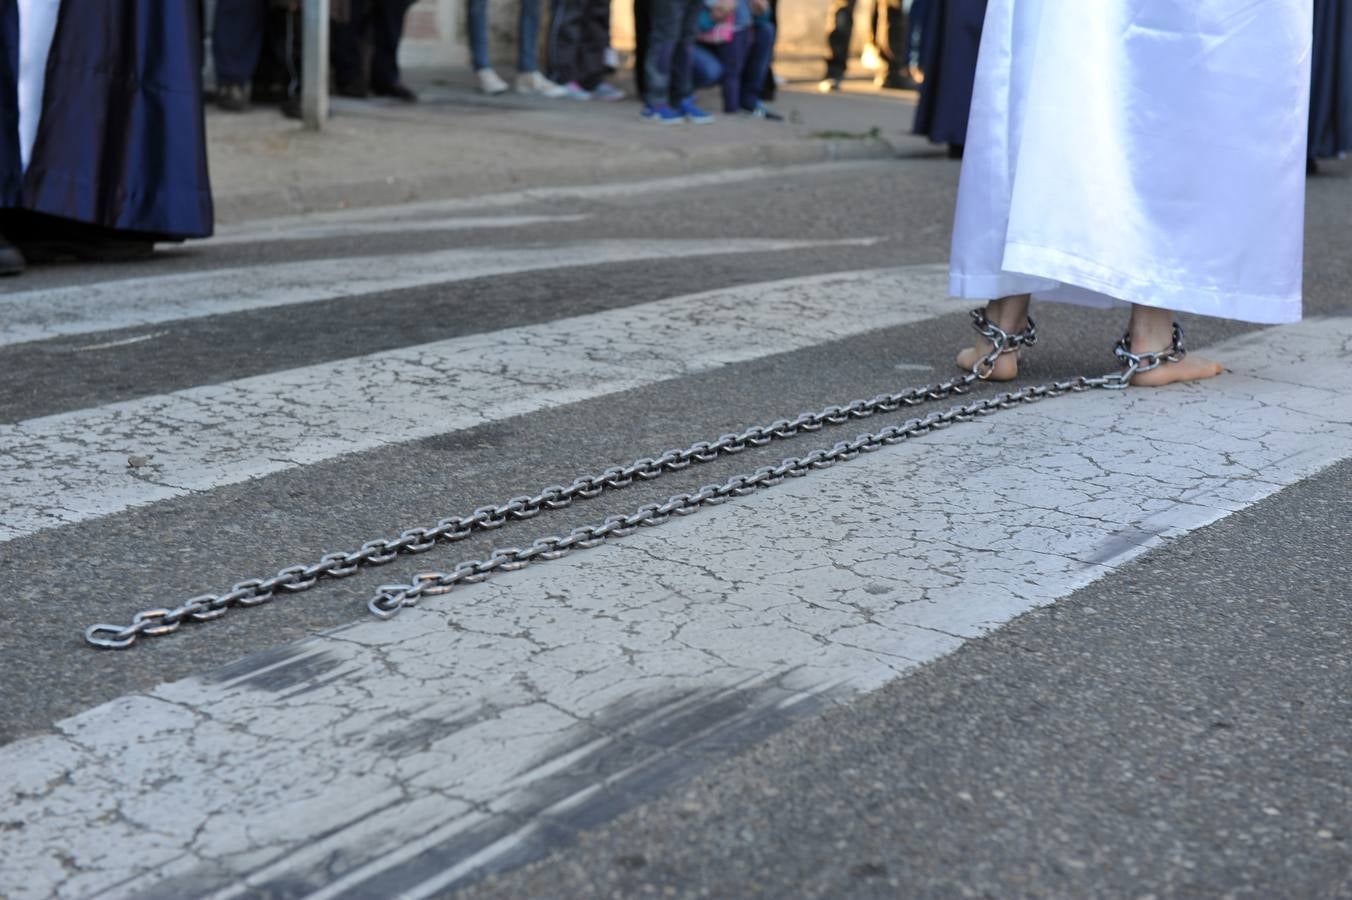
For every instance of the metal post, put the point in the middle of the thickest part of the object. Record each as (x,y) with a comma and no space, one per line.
(314,79)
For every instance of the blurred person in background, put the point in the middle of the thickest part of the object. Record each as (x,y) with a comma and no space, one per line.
(102,140)
(529,79)
(578,49)
(672,25)
(377,25)
(890,39)
(948,52)
(1330,83)
(255,45)
(734,45)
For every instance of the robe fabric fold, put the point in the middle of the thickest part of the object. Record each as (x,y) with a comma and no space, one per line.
(1133,151)
(1331,80)
(119,139)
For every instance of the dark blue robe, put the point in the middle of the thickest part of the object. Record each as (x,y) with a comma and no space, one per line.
(948,50)
(122,142)
(1331,83)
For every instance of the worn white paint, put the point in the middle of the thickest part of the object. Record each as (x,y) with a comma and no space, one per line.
(360,227)
(839,581)
(72,467)
(43,313)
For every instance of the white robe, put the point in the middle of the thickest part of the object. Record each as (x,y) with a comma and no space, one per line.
(37,25)
(1150,151)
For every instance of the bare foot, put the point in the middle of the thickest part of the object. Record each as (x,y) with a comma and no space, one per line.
(1152,328)
(1189,368)
(1011,314)
(1006,364)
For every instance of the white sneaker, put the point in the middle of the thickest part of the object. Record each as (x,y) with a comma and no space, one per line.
(535,83)
(871,59)
(490,82)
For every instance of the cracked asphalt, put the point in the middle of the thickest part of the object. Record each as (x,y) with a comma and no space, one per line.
(1179,727)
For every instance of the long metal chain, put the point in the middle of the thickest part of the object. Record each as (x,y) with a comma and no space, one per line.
(390,599)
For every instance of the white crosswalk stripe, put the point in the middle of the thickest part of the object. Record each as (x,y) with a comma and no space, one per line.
(541,693)
(73,466)
(45,313)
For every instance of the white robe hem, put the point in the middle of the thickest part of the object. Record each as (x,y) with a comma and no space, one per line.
(1050,274)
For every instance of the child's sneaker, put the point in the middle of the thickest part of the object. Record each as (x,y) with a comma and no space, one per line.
(663,114)
(577,91)
(490,82)
(693,114)
(607,91)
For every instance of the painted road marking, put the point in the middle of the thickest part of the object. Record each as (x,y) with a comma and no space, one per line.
(45,313)
(389,758)
(311,231)
(72,466)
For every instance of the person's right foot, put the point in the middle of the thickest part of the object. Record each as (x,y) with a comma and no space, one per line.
(1189,368)
(829,85)
(11,260)
(233,97)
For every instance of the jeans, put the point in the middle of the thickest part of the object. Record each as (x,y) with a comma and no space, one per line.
(527,35)
(706,69)
(671,39)
(740,66)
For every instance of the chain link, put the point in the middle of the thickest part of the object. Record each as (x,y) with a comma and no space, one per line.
(390,599)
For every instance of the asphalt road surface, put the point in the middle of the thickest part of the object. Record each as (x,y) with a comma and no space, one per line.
(1096,645)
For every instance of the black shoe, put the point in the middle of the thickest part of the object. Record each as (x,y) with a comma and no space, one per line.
(896,81)
(11,260)
(233,97)
(90,249)
(1311,166)
(398,91)
(955,151)
(291,108)
(355,89)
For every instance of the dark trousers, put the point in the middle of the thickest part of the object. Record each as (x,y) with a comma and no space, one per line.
(255,41)
(579,33)
(382,23)
(642,22)
(890,34)
(237,39)
(744,61)
(671,36)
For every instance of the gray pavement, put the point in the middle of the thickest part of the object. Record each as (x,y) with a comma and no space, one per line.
(458,143)
(1192,634)
(1181,729)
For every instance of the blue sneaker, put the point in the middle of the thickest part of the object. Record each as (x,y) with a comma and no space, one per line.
(662,114)
(693,114)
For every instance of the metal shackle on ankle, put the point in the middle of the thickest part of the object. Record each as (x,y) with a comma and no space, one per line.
(1133,363)
(1002,341)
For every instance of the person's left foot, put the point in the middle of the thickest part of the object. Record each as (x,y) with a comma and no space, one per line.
(398,91)
(895,81)
(291,108)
